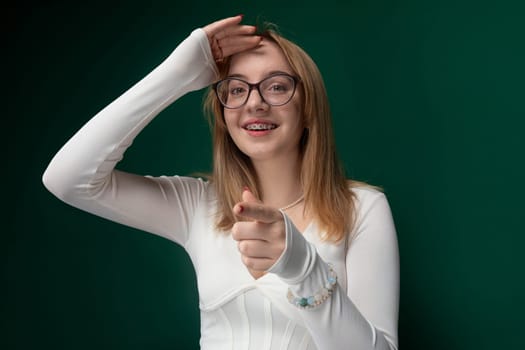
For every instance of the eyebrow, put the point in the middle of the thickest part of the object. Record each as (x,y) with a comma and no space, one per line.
(273,72)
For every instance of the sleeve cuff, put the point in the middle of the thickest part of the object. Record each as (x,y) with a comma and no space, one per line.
(298,257)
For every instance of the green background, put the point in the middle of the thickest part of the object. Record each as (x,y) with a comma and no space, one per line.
(428,102)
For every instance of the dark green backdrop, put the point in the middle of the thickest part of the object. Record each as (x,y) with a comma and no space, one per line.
(428,102)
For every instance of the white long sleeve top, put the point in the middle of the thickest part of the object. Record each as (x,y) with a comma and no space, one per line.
(237,311)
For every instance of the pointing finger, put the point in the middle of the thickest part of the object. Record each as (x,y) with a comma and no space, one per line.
(257,212)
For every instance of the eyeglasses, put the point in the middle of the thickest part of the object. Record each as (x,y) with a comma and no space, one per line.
(275,90)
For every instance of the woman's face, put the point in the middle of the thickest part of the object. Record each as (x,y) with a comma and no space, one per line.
(259,130)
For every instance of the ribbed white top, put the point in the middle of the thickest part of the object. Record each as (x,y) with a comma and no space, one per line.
(250,322)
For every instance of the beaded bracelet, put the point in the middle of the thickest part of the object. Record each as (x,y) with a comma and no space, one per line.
(319,297)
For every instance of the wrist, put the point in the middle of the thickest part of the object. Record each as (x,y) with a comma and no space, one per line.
(298,257)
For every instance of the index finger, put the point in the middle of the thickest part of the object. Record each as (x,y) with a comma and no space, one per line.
(257,212)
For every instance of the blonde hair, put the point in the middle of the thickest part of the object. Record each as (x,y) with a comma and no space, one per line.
(328,194)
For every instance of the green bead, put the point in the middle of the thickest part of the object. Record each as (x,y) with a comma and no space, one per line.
(303,302)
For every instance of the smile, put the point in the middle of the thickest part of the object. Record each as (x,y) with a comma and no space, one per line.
(260,126)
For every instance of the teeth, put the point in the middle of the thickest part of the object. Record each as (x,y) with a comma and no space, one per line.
(260,126)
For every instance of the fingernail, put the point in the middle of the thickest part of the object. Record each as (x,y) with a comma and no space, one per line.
(241,209)
(242,15)
(246,188)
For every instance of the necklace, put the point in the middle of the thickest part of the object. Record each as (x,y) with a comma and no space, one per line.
(293,204)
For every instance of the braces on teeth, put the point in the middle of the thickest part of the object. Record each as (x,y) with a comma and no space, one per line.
(261,126)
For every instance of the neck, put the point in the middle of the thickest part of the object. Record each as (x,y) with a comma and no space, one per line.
(279,181)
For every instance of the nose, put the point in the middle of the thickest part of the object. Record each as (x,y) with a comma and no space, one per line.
(255,99)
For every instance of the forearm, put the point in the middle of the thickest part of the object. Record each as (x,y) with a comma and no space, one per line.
(82,168)
(364,314)
(83,173)
(336,323)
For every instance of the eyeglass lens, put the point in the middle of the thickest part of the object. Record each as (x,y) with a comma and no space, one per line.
(275,90)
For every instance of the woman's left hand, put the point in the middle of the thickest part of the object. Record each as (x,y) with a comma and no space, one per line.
(260,232)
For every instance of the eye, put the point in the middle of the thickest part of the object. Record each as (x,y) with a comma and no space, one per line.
(281,87)
(276,87)
(278,84)
(237,90)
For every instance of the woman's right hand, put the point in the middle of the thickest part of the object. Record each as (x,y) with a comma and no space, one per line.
(228,37)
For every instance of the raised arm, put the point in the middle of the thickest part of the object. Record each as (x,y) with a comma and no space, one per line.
(83,173)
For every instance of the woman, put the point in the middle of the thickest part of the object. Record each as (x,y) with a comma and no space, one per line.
(288,253)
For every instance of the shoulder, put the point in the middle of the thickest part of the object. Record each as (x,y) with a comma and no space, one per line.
(365,194)
(184,186)
(371,208)
(192,182)
(182,181)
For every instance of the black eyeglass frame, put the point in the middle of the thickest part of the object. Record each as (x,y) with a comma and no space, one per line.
(295,79)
